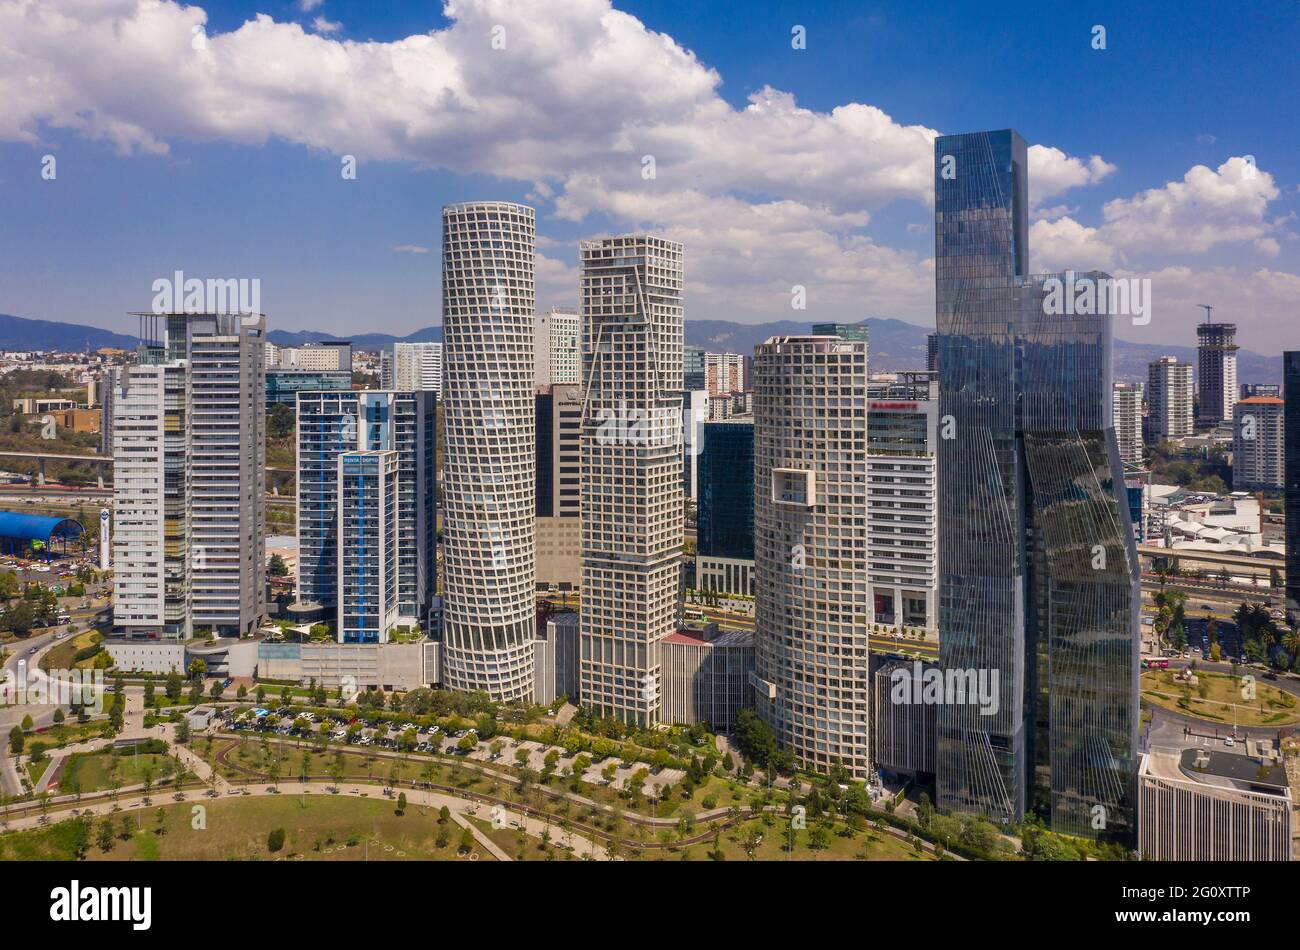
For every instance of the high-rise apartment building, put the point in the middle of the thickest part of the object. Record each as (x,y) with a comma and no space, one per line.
(559,486)
(489,460)
(557,347)
(631,303)
(411,367)
(724,373)
(1291,476)
(1169,400)
(151,551)
(1037,564)
(1216,369)
(109,384)
(812,583)
(209,371)
(369,529)
(902,509)
(1258,437)
(330,426)
(1127,410)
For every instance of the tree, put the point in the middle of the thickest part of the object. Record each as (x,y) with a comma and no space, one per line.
(16,740)
(173,685)
(401,803)
(280,422)
(197,669)
(106,835)
(275,840)
(27,723)
(466,840)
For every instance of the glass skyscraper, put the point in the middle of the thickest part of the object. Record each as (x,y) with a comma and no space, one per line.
(332,425)
(725,512)
(1037,566)
(1291,478)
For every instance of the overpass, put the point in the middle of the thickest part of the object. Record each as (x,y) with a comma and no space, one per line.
(275,477)
(101,462)
(1253,564)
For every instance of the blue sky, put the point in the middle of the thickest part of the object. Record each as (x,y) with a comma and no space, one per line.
(224,161)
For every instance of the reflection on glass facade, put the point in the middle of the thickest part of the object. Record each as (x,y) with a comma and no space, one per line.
(726,505)
(1038,577)
(1291,477)
(331,424)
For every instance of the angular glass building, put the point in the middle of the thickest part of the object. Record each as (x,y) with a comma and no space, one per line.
(1037,566)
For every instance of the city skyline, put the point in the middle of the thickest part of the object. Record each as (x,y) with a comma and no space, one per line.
(1194,201)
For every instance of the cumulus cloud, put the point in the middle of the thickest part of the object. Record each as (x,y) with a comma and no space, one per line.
(322,25)
(411,249)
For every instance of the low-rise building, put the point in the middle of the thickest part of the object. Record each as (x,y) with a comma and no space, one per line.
(1199,804)
(706,676)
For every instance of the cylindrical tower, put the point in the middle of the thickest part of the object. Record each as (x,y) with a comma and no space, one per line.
(489,468)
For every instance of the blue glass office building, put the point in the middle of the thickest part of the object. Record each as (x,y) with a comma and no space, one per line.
(333,423)
(368,549)
(725,509)
(1037,565)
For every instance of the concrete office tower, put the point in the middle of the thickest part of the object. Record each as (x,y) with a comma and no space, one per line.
(367,550)
(1291,477)
(1216,367)
(331,424)
(1258,437)
(557,347)
(411,367)
(903,512)
(811,581)
(632,469)
(151,476)
(559,487)
(1037,564)
(1126,399)
(489,462)
(1169,400)
(724,373)
(226,412)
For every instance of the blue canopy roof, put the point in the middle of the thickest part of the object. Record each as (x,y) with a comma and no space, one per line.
(20,526)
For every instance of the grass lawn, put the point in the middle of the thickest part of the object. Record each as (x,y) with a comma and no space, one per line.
(36,769)
(524,847)
(60,655)
(95,771)
(1223,701)
(328,828)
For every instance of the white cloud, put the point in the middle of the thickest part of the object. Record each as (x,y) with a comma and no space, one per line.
(410,249)
(1051,172)
(322,25)
(764,196)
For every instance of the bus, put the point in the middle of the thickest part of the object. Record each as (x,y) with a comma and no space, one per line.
(1155,663)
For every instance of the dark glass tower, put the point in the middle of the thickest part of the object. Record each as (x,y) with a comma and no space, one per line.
(726,504)
(1038,571)
(1291,475)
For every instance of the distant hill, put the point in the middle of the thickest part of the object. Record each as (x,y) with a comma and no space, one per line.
(895,344)
(20,333)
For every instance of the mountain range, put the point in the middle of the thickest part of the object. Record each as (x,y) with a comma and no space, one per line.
(895,344)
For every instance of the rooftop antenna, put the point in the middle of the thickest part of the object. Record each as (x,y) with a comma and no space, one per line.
(1207,308)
